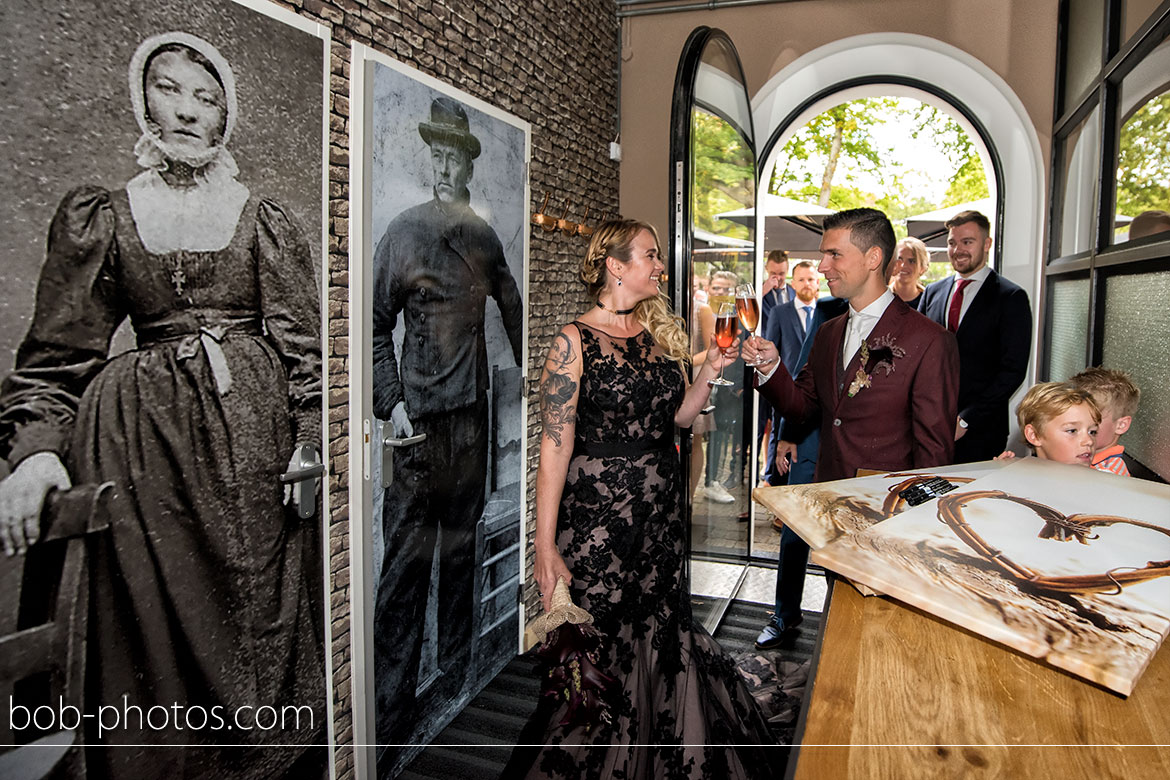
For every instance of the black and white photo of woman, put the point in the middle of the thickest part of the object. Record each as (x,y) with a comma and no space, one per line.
(206,590)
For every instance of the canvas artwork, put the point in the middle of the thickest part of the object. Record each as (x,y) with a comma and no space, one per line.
(160,370)
(446,188)
(1065,564)
(822,512)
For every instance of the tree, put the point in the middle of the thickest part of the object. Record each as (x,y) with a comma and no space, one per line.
(1143,160)
(969,181)
(842,131)
(724,174)
(843,138)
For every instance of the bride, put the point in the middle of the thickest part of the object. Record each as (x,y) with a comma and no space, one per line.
(610,522)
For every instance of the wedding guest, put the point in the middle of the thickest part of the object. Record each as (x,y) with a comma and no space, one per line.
(1059,422)
(992,321)
(911,261)
(1117,398)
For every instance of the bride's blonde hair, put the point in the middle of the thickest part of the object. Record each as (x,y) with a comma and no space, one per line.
(615,239)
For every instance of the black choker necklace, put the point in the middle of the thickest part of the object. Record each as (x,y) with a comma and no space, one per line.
(601,305)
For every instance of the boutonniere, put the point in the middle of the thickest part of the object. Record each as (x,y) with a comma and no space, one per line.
(878,357)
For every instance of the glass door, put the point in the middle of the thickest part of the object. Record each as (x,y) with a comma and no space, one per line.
(712,252)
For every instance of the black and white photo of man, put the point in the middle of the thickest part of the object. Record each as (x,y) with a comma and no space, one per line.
(435,266)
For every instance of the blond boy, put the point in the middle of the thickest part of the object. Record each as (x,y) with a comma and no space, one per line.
(1059,422)
(1117,397)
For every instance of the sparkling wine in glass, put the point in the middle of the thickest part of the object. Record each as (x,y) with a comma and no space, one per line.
(724,337)
(748,308)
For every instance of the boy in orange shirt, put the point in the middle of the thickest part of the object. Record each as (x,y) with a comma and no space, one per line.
(1117,397)
(1059,422)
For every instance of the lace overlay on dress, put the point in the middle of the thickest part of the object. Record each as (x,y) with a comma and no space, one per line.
(681,703)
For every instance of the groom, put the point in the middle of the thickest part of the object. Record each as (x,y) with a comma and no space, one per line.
(883,381)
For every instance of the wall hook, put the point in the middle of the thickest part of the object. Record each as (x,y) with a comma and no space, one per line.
(583,229)
(567,227)
(546,222)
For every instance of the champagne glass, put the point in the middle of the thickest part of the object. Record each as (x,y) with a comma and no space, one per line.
(724,336)
(748,309)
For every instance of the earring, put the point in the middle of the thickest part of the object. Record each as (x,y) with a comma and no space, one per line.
(619,281)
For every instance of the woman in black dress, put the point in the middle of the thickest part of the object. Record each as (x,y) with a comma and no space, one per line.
(609,520)
(911,261)
(204,589)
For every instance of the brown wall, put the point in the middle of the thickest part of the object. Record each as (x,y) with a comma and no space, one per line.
(1015,38)
(551,67)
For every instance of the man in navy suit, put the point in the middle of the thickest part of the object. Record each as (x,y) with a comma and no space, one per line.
(792,329)
(992,320)
(775,293)
(788,328)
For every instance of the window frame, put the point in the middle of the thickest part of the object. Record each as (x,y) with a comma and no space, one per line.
(1101,259)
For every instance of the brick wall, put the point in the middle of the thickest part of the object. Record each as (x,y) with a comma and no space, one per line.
(551,64)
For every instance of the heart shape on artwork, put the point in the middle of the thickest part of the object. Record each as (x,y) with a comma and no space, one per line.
(1058,527)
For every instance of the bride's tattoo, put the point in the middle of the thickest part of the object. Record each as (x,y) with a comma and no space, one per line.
(557,390)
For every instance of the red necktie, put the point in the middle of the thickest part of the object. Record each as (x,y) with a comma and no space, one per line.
(956,306)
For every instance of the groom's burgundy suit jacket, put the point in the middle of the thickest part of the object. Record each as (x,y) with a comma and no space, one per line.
(904,419)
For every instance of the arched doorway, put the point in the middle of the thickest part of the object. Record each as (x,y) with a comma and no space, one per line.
(937,73)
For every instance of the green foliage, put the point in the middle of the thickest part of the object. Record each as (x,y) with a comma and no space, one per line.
(724,174)
(1143,164)
(839,144)
(969,183)
(836,159)
(844,131)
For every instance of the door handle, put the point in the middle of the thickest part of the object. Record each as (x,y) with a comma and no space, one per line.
(389,444)
(304,479)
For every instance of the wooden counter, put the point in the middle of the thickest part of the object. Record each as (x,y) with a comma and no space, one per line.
(899,694)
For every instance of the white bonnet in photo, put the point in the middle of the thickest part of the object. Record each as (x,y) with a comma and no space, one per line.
(223,71)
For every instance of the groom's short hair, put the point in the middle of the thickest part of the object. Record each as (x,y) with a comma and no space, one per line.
(867,228)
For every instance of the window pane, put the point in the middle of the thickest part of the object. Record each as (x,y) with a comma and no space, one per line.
(1068,327)
(723,179)
(1133,14)
(1143,161)
(1081,160)
(1136,323)
(1086,25)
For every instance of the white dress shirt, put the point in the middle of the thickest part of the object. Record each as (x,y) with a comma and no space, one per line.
(861,324)
(870,316)
(977,279)
(806,311)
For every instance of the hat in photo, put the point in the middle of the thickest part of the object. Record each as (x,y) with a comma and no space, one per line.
(449,123)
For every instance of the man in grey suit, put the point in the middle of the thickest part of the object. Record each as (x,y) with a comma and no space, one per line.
(436,265)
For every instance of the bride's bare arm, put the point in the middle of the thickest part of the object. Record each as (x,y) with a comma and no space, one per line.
(560,388)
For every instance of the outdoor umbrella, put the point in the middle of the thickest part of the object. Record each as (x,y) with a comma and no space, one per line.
(929,226)
(789,224)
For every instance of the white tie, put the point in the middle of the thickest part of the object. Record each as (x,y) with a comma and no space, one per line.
(853,338)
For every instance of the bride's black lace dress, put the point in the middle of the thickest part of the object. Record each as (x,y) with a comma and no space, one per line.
(682,705)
